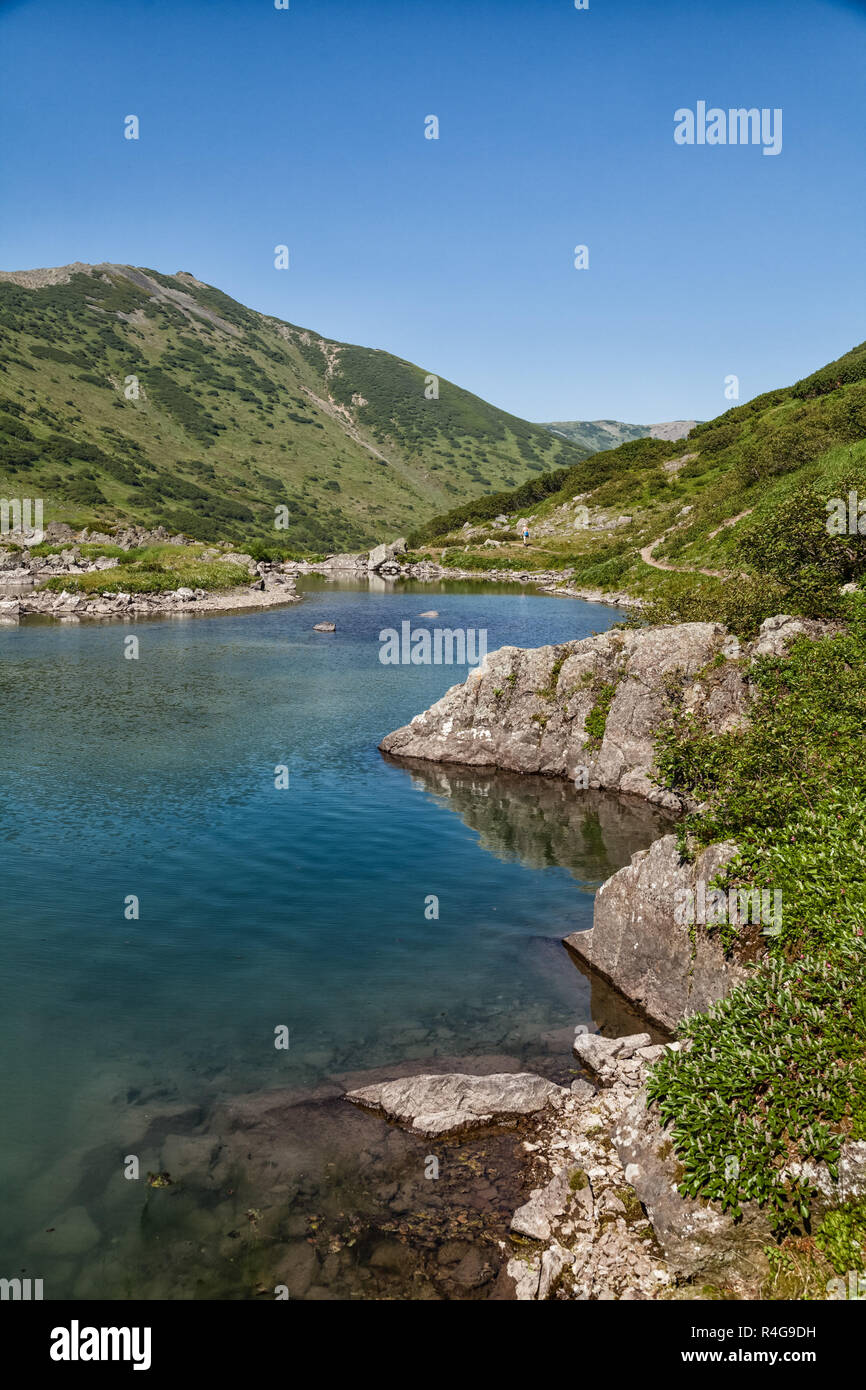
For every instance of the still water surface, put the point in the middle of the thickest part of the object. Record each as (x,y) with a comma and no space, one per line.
(259,907)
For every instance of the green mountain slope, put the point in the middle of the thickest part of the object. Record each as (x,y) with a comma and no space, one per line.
(128,394)
(730,522)
(596,435)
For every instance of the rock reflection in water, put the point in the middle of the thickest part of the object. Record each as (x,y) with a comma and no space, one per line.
(543,822)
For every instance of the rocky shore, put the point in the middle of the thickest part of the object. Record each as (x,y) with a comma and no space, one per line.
(387,562)
(71,607)
(23,577)
(605,1218)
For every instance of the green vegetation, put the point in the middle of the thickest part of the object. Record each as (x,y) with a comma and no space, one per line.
(842,1237)
(595,435)
(776,1073)
(745,497)
(154,570)
(119,404)
(596,721)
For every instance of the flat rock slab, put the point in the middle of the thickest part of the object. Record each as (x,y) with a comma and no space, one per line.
(451,1103)
(324,627)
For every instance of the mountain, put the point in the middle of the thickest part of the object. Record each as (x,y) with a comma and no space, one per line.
(136,396)
(672,429)
(595,435)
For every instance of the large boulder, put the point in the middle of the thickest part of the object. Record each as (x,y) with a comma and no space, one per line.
(667,967)
(385,554)
(433,1105)
(776,634)
(236,557)
(527,710)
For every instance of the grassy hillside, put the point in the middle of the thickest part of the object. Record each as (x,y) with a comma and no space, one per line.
(236,414)
(742,497)
(595,435)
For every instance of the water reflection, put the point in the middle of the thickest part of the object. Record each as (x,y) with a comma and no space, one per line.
(543,822)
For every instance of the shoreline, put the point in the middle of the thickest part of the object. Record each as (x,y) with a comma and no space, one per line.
(21,598)
(549,582)
(67,607)
(576,1235)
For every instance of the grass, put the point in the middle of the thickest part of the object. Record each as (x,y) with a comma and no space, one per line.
(596,720)
(155,570)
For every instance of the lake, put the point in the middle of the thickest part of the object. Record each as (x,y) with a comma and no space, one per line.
(265,913)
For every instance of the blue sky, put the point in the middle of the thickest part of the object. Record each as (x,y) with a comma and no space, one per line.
(306,127)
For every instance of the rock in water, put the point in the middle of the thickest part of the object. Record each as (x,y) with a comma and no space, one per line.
(325,627)
(668,968)
(527,710)
(448,1104)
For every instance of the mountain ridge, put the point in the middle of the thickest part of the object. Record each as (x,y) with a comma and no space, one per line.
(134,396)
(596,435)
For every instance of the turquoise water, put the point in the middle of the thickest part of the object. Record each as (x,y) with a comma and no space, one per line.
(263,907)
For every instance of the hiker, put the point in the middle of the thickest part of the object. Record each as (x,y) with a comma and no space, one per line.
(526,535)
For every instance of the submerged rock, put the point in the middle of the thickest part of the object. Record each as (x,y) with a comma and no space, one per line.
(450,1103)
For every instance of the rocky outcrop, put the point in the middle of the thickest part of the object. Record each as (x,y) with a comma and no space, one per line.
(777,634)
(642,943)
(384,556)
(72,608)
(455,1102)
(356,563)
(605,1218)
(527,710)
(26,590)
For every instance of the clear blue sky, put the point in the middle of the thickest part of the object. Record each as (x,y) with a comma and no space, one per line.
(306,127)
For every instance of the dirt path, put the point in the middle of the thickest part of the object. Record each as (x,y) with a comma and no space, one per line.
(646,553)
